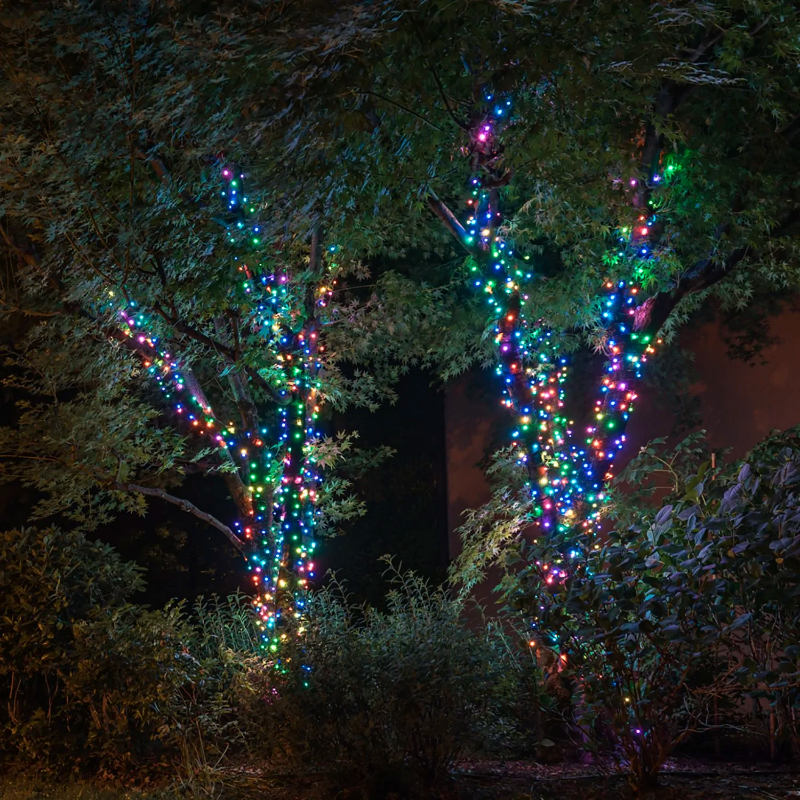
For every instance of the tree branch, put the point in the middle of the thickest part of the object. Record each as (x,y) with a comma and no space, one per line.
(241,497)
(405,108)
(221,349)
(449,219)
(315,258)
(199,336)
(190,508)
(655,311)
(246,406)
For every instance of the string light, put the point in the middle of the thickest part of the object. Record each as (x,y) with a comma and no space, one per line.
(568,468)
(278,531)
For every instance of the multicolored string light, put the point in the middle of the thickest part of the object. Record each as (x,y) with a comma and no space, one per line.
(568,469)
(276,462)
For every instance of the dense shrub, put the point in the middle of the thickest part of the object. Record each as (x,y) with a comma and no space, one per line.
(370,700)
(51,580)
(680,606)
(389,701)
(58,590)
(740,528)
(627,641)
(90,680)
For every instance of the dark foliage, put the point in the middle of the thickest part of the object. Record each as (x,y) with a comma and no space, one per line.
(680,607)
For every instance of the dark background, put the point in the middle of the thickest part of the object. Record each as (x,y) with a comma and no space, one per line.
(406,500)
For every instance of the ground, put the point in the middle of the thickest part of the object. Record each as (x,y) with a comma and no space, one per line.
(682,780)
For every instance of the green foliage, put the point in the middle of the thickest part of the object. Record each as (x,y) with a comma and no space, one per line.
(92,681)
(628,639)
(110,160)
(741,524)
(494,528)
(124,683)
(360,698)
(389,701)
(350,118)
(343,462)
(388,92)
(84,671)
(680,605)
(51,581)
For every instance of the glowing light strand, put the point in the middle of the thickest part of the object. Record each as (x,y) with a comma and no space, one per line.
(278,533)
(567,472)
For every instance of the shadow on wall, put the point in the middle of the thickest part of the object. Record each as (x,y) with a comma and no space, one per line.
(739,403)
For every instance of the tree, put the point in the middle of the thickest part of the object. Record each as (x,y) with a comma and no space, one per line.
(168,288)
(671,129)
(627,163)
(685,602)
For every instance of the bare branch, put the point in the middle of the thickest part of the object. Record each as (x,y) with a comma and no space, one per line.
(190,508)
(246,406)
(233,480)
(461,124)
(449,219)
(227,352)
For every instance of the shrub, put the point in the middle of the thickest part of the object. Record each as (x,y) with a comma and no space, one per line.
(372,700)
(53,582)
(126,689)
(678,607)
(388,701)
(218,712)
(628,632)
(740,527)
(91,680)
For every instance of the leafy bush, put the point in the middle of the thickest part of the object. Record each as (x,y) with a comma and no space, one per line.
(680,606)
(372,700)
(741,523)
(56,587)
(91,680)
(389,701)
(124,690)
(627,640)
(217,714)
(51,580)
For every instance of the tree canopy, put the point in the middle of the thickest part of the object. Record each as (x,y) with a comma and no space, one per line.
(194,199)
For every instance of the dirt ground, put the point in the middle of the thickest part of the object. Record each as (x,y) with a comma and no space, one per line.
(681,779)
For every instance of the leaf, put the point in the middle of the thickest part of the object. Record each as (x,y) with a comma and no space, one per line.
(743,619)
